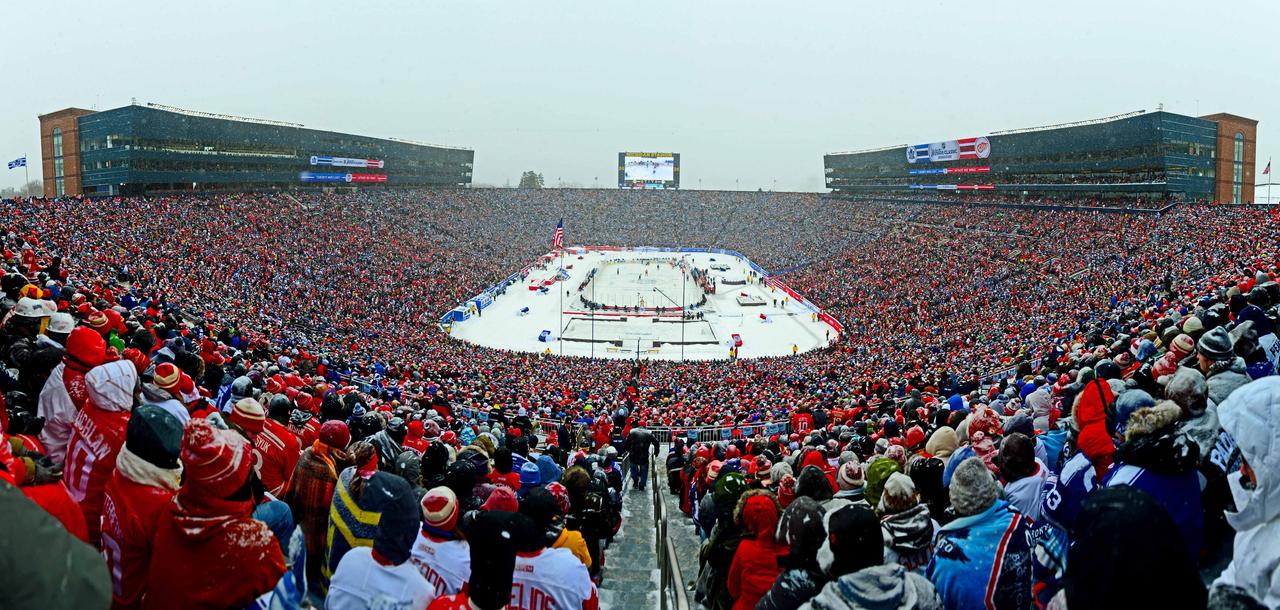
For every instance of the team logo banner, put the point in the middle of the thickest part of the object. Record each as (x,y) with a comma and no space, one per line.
(950,150)
(346,162)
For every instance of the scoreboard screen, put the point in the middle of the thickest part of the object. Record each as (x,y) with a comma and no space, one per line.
(648,170)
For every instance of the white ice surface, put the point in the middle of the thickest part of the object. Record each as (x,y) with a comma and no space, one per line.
(501,326)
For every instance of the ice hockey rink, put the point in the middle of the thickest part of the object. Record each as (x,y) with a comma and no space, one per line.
(625,280)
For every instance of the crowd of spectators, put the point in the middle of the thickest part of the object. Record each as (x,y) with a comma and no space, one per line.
(1116,201)
(279,354)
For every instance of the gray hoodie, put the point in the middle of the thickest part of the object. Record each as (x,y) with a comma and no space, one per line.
(882,587)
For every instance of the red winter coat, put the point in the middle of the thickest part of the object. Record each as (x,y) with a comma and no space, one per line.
(55,500)
(96,438)
(210,554)
(277,450)
(130,512)
(755,564)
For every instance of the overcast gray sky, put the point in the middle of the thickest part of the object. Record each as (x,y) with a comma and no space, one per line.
(748,92)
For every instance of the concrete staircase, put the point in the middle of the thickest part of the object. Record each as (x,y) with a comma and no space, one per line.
(681,534)
(631,576)
(630,579)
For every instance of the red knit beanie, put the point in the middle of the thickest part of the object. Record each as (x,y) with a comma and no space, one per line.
(168,377)
(86,348)
(216,462)
(249,415)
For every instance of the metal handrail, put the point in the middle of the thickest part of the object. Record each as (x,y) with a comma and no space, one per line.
(671,588)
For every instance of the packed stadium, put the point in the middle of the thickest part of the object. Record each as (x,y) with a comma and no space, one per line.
(251,364)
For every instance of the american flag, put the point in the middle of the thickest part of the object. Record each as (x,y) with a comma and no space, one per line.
(1268,168)
(557,238)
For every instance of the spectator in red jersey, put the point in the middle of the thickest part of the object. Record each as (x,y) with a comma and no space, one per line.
(276,446)
(145,478)
(97,436)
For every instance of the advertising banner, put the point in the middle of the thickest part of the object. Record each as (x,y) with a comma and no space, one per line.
(982,169)
(954,187)
(324,177)
(346,162)
(335,177)
(950,150)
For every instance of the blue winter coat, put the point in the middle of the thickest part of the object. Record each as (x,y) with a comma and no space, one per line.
(984,561)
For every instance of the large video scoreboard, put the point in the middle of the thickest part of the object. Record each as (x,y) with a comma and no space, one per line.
(648,170)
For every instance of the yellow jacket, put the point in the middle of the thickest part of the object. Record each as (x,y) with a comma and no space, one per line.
(572,540)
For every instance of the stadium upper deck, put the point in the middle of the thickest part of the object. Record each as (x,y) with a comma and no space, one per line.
(1154,156)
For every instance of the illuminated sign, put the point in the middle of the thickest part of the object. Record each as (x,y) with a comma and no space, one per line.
(347,162)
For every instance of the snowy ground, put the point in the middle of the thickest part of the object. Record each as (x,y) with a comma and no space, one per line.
(625,279)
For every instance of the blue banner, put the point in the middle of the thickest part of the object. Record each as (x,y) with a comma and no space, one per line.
(324,177)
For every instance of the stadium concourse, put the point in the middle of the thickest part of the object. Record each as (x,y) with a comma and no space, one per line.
(223,400)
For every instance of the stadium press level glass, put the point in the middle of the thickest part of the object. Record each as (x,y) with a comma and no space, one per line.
(648,170)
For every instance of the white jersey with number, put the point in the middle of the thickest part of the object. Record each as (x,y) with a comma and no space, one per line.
(552,579)
(446,564)
(361,583)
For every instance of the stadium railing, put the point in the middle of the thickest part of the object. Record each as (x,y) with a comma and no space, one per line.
(671,588)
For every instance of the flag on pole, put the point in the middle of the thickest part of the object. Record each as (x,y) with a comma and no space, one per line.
(1267,169)
(557,238)
(19,162)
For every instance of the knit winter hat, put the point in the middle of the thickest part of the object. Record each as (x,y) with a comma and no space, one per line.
(1192,325)
(1017,457)
(800,527)
(334,433)
(530,476)
(86,348)
(1020,423)
(1216,345)
(915,437)
(398,523)
(728,489)
(217,462)
(155,435)
(851,476)
(1129,402)
(540,506)
(973,488)
(502,498)
(899,495)
(168,377)
(854,541)
(1182,345)
(494,538)
(98,321)
(249,415)
(440,510)
(877,473)
(561,494)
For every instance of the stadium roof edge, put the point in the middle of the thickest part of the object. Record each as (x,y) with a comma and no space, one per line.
(229,117)
(1005,132)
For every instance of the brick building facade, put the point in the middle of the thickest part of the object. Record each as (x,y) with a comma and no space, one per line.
(60,151)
